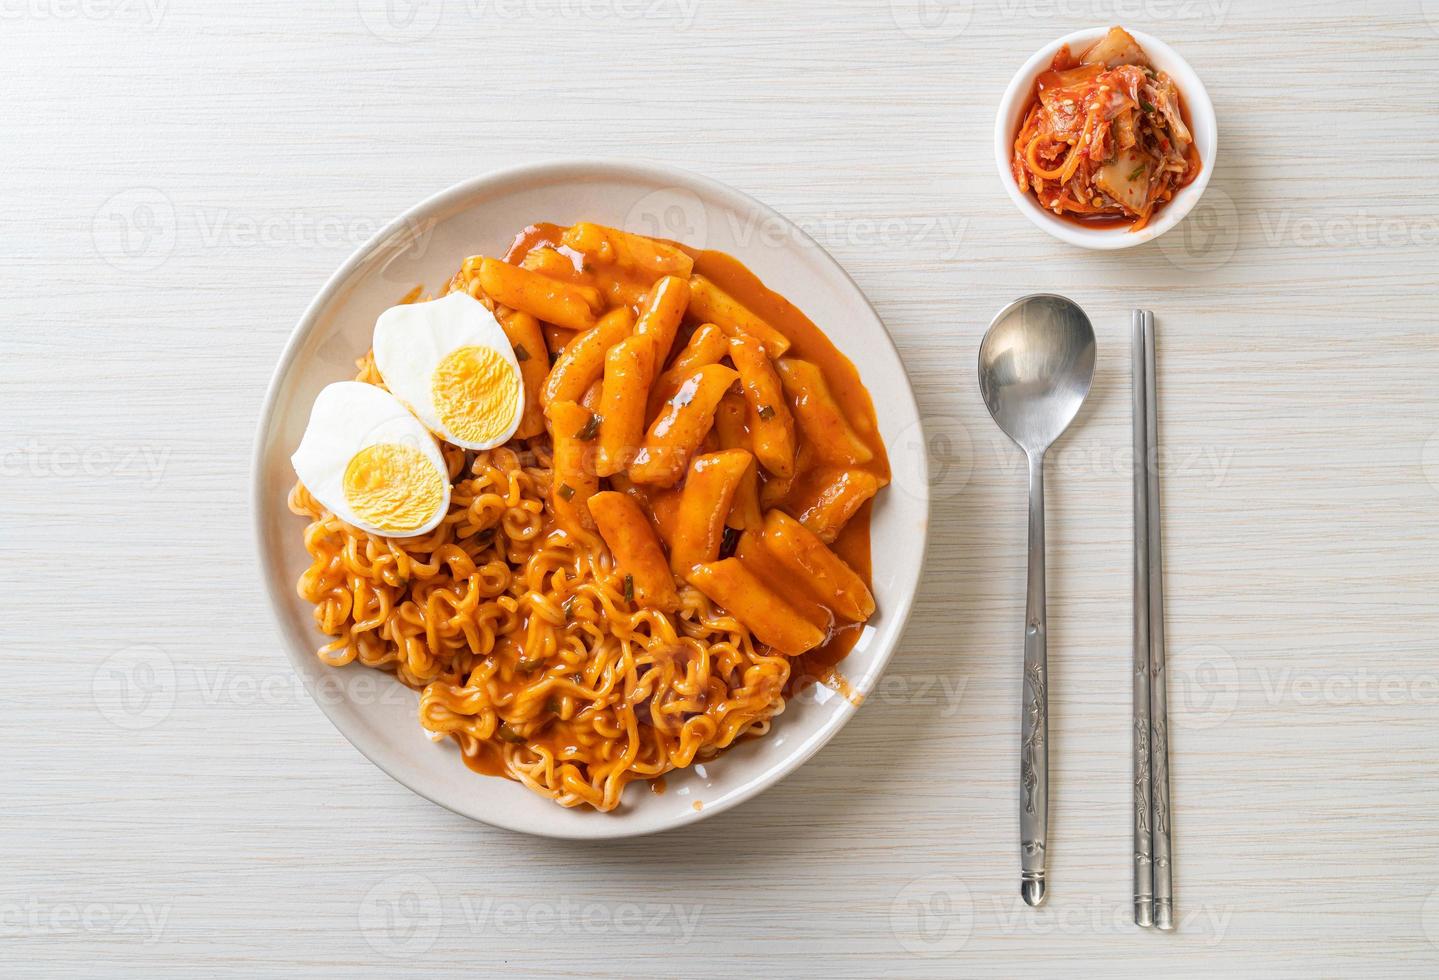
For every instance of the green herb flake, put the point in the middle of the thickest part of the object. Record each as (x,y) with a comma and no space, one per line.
(629,588)
(567,492)
(1134,174)
(527,665)
(590,430)
(521,354)
(1145,106)
(507,734)
(766,412)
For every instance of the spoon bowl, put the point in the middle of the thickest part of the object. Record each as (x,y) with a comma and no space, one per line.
(1036,364)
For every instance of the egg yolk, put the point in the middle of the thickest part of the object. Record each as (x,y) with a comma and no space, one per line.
(393,487)
(475,391)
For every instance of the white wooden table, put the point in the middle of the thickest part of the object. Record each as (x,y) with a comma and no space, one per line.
(178,179)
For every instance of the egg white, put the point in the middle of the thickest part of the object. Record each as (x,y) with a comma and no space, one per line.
(411,340)
(349,416)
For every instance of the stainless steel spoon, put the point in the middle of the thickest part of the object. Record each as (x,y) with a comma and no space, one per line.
(1036,363)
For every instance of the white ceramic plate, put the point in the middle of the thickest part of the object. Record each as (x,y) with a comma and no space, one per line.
(1201,117)
(425,245)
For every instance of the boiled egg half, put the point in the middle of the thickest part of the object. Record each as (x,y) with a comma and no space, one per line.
(371,462)
(450,362)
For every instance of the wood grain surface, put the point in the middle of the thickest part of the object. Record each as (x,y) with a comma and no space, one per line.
(179,177)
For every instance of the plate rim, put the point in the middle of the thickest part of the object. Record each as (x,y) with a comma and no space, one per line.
(277,592)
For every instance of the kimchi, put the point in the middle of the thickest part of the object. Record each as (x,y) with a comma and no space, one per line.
(1104,138)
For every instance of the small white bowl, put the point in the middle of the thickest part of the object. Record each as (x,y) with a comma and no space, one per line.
(1201,117)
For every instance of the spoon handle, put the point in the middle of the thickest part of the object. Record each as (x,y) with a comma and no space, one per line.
(1034,717)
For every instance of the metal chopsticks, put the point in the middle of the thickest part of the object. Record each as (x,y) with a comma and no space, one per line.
(1143,841)
(1153,881)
